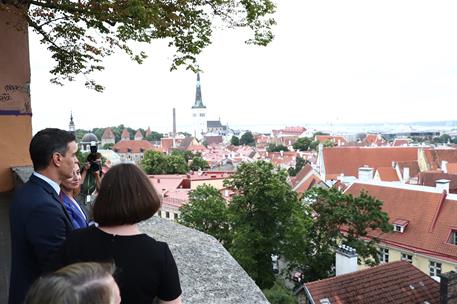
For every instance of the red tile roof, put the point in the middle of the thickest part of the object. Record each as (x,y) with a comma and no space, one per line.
(391,283)
(412,165)
(435,156)
(430,214)
(373,140)
(108,134)
(334,139)
(401,142)
(148,131)
(348,160)
(286,159)
(304,172)
(452,168)
(138,135)
(388,174)
(133,146)
(166,144)
(429,178)
(289,131)
(125,134)
(214,140)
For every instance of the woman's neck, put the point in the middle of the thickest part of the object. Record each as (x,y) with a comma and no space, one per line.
(67,192)
(121,229)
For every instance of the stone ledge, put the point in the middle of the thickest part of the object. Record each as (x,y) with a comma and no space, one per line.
(208,273)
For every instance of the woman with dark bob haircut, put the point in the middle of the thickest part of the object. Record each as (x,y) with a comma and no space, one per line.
(146,267)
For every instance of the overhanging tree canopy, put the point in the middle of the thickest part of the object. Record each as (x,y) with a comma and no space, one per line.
(79,33)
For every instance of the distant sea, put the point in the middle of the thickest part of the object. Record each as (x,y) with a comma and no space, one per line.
(397,127)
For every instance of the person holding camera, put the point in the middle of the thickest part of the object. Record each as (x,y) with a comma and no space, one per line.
(91,174)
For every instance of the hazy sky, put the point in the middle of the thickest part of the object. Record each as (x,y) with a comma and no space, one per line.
(331,62)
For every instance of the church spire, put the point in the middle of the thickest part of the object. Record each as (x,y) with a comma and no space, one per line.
(71,125)
(198,95)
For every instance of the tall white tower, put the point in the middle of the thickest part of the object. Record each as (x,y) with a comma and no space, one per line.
(198,113)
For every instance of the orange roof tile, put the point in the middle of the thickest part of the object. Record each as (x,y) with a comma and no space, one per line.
(430,217)
(388,174)
(452,168)
(138,135)
(133,146)
(108,134)
(294,180)
(348,160)
(401,142)
(435,156)
(125,134)
(429,178)
(387,283)
(334,139)
(412,165)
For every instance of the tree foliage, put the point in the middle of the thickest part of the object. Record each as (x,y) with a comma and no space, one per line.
(79,34)
(207,212)
(276,148)
(235,140)
(302,144)
(299,163)
(332,212)
(262,215)
(247,139)
(198,163)
(279,294)
(155,162)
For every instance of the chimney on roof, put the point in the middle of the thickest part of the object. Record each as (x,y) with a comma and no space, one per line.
(281,153)
(442,185)
(444,166)
(448,290)
(365,173)
(346,260)
(406,176)
(393,164)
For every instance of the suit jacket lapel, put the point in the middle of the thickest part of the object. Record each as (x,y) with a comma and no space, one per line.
(47,187)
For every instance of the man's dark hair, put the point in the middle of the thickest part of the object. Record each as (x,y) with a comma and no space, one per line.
(126,196)
(47,142)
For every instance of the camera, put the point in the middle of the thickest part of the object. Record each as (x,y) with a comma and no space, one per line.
(94,158)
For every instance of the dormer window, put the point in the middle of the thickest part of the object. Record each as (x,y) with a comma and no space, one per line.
(400,225)
(453,237)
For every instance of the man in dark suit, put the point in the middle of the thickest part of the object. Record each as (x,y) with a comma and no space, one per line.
(39,221)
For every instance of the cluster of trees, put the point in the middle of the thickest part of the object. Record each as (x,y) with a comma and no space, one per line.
(117,131)
(265,218)
(178,162)
(246,139)
(276,148)
(444,139)
(299,163)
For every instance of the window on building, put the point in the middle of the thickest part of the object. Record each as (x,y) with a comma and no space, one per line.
(176,216)
(384,255)
(160,213)
(407,257)
(453,237)
(167,214)
(435,268)
(202,114)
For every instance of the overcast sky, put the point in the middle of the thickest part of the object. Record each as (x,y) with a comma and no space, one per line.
(331,62)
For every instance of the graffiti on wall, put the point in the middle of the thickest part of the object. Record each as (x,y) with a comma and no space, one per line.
(15,99)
